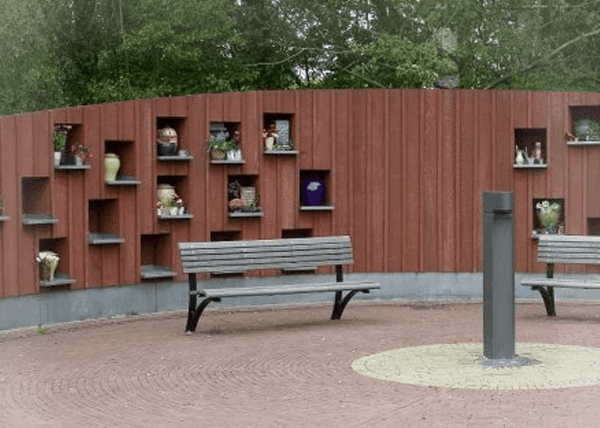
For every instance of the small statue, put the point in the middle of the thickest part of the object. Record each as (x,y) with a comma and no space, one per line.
(520,159)
(538,152)
(270,135)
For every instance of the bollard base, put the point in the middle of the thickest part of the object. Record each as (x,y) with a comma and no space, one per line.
(501,363)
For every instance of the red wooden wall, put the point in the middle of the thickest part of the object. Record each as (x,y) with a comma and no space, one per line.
(406,169)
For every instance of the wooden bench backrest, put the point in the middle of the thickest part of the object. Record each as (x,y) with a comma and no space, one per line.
(289,254)
(569,249)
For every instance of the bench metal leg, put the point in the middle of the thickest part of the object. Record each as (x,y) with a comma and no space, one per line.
(340,303)
(195,313)
(548,296)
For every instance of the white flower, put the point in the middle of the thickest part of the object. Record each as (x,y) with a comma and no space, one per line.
(313,186)
(546,207)
(48,258)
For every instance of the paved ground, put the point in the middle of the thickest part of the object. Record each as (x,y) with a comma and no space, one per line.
(284,367)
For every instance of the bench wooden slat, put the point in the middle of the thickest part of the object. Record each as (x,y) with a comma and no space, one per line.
(584,283)
(286,289)
(257,264)
(557,259)
(576,239)
(279,255)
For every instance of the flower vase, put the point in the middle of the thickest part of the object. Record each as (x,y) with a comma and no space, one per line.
(313,192)
(269,142)
(57,156)
(111,166)
(549,220)
(48,272)
(78,160)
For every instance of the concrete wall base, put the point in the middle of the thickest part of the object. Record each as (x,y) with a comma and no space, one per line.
(63,306)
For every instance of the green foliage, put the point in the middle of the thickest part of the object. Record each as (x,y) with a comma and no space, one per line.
(28,79)
(67,52)
(395,62)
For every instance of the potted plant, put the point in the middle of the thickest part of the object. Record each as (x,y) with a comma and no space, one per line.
(587,129)
(218,146)
(59,139)
(47,260)
(81,154)
(548,214)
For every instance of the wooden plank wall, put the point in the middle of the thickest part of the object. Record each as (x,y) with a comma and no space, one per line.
(406,170)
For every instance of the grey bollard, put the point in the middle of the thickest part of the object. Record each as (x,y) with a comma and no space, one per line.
(498,276)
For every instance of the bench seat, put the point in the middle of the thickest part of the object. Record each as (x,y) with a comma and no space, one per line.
(583,282)
(273,290)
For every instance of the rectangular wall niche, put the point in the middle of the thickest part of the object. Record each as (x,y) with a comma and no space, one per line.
(282,124)
(104,222)
(156,257)
(593,225)
(526,139)
(537,223)
(36,201)
(61,276)
(179,124)
(579,113)
(125,150)
(65,137)
(315,190)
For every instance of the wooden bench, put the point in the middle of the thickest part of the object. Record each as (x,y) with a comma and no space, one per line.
(554,249)
(300,254)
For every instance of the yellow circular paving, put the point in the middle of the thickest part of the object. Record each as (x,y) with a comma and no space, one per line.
(459,366)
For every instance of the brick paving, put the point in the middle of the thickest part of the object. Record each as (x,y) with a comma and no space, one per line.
(278,367)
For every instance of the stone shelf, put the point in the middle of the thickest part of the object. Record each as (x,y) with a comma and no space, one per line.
(72,167)
(156,272)
(174,158)
(60,279)
(35,219)
(583,143)
(123,182)
(227,162)
(316,208)
(281,152)
(185,216)
(528,166)
(245,214)
(104,239)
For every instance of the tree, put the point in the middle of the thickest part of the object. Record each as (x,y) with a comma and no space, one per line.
(28,79)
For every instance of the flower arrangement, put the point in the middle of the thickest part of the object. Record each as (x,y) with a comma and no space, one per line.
(221,141)
(59,137)
(171,206)
(48,261)
(548,213)
(82,152)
